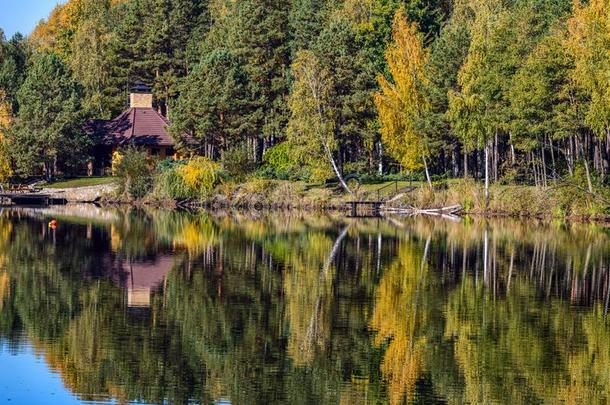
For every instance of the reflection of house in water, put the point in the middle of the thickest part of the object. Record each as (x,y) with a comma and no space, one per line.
(142,277)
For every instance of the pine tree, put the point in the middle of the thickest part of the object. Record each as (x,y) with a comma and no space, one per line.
(47,131)
(211,112)
(126,52)
(259,37)
(353,81)
(307,19)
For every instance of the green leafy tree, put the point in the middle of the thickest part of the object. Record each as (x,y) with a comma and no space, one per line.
(89,67)
(14,55)
(312,122)
(544,101)
(475,109)
(447,54)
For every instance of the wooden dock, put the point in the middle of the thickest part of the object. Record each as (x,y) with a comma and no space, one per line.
(31,199)
(365,209)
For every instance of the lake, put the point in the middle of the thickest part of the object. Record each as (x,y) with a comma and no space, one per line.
(136,306)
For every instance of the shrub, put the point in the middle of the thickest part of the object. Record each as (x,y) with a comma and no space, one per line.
(237,161)
(187,179)
(133,168)
(169,184)
(6,170)
(278,163)
(201,175)
(116,161)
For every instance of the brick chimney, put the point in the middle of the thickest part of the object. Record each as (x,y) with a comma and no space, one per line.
(141,96)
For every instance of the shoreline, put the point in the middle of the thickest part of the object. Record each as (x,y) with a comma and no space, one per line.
(521,202)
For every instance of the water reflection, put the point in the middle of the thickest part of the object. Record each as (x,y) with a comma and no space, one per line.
(154,306)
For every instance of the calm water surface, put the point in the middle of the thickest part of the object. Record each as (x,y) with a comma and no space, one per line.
(118,306)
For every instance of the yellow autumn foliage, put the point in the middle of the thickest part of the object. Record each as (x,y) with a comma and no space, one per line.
(117,158)
(400,317)
(401,101)
(200,174)
(197,235)
(4,287)
(6,120)
(56,32)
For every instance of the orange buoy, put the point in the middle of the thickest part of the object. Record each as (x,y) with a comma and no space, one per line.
(53,224)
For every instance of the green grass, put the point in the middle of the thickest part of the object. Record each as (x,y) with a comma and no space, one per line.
(82,182)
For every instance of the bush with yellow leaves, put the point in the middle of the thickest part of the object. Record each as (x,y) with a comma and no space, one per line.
(117,157)
(190,179)
(200,174)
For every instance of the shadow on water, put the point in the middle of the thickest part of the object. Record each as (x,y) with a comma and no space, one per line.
(161,306)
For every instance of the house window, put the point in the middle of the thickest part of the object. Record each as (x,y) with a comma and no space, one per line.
(155,151)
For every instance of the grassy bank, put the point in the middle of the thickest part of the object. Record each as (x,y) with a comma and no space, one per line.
(82,182)
(558,201)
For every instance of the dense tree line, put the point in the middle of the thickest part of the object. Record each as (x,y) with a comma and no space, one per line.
(506,90)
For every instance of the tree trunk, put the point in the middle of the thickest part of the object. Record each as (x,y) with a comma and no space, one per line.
(553,163)
(336,169)
(380,168)
(465,164)
(534,168)
(570,157)
(486,175)
(426,169)
(543,167)
(512,149)
(587,171)
(54,166)
(496,157)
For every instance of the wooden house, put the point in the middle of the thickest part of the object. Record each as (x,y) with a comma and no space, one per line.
(141,125)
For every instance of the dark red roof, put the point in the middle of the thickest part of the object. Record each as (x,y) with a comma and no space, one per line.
(136,126)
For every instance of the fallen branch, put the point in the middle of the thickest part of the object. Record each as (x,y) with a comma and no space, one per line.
(451,210)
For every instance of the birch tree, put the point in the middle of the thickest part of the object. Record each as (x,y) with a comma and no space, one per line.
(311,125)
(474,110)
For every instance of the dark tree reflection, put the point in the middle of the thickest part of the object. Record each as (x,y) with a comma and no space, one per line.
(157,306)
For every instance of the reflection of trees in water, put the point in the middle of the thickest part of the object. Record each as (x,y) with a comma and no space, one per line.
(216,328)
(277,309)
(400,318)
(510,333)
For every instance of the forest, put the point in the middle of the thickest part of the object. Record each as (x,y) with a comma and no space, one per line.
(505,91)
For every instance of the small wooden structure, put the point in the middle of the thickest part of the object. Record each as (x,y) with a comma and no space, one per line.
(31,199)
(365,209)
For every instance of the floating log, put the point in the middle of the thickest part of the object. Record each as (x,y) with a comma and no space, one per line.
(451,210)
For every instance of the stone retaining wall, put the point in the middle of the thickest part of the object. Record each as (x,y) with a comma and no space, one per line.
(81,194)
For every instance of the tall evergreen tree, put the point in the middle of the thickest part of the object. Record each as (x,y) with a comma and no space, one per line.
(14,55)
(212,111)
(353,80)
(259,37)
(306,20)
(47,133)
